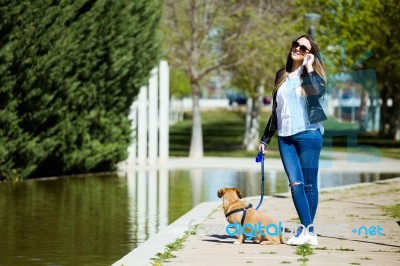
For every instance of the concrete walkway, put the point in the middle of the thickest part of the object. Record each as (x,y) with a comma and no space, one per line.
(374,241)
(340,211)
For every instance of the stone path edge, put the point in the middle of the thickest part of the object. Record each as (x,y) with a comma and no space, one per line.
(143,254)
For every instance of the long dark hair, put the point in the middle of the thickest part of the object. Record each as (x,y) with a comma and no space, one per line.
(318,64)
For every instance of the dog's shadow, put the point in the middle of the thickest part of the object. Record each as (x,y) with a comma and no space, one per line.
(224,239)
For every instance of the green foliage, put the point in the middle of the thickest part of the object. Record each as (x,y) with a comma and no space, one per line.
(345,30)
(357,34)
(206,38)
(179,83)
(362,34)
(69,72)
(271,32)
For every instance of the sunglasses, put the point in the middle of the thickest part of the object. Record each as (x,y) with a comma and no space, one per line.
(303,49)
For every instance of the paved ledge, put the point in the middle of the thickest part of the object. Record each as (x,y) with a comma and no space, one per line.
(143,254)
(343,216)
(353,205)
(340,162)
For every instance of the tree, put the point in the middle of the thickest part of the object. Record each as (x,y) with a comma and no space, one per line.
(385,61)
(194,32)
(356,36)
(270,37)
(69,72)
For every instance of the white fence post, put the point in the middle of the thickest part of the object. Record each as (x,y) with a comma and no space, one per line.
(142,126)
(132,149)
(153,117)
(150,120)
(164,113)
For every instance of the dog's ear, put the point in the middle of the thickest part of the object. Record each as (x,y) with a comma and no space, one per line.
(239,193)
(221,192)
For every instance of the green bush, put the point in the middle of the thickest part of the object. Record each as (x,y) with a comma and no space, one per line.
(69,71)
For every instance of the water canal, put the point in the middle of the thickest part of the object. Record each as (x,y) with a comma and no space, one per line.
(96,220)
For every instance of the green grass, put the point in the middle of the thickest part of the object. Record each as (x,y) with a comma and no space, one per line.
(268,252)
(304,250)
(223,131)
(393,211)
(295,219)
(167,254)
(222,135)
(344,249)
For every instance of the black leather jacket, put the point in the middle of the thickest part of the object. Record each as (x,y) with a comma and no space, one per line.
(314,87)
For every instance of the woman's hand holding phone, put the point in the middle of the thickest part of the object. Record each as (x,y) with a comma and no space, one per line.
(308,61)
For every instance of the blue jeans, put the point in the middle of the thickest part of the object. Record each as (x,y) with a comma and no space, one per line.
(300,157)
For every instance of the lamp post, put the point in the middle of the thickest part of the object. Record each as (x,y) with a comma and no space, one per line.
(312,22)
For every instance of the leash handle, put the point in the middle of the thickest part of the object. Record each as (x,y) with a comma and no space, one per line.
(260,158)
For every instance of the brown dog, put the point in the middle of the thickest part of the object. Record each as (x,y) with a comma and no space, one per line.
(234,209)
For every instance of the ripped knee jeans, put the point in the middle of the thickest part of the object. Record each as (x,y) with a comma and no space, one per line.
(300,157)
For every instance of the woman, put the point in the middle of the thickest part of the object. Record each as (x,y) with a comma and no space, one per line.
(297,115)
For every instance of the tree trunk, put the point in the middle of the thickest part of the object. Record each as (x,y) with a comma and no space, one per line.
(395,123)
(253,108)
(196,143)
(397,130)
(384,113)
(247,128)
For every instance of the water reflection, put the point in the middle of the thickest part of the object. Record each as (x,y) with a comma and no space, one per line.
(97,220)
(209,181)
(75,221)
(148,200)
(334,179)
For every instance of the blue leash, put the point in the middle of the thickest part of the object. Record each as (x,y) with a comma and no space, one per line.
(260,158)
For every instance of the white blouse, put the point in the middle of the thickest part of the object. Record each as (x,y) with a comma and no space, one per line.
(291,108)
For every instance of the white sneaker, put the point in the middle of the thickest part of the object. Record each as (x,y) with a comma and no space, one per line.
(290,241)
(303,239)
